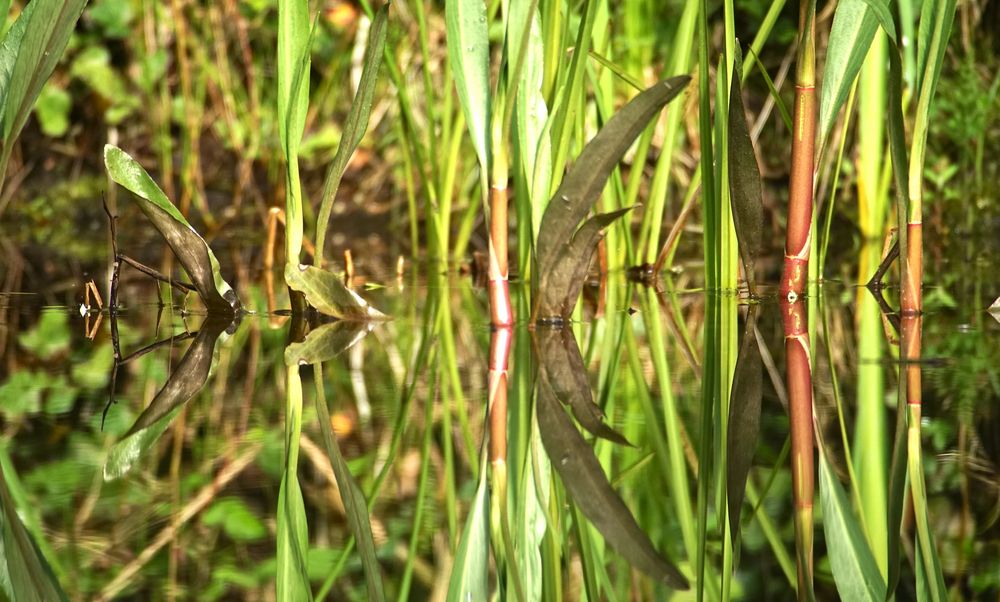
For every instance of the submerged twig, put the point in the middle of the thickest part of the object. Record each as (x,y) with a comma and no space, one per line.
(888,256)
(115,269)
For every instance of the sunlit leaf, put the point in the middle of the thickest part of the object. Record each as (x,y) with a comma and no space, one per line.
(327,341)
(745,193)
(24,572)
(744,420)
(469,56)
(581,473)
(187,379)
(566,375)
(470,572)
(328,294)
(190,248)
(995,310)
(854,568)
(854,27)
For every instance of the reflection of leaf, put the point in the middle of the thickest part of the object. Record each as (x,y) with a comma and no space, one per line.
(744,181)
(326,342)
(470,573)
(585,180)
(564,372)
(187,379)
(744,420)
(189,247)
(24,572)
(995,309)
(562,283)
(854,569)
(325,292)
(590,490)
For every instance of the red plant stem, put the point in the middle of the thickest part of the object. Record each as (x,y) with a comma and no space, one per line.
(911,300)
(499,290)
(500,343)
(800,406)
(910,326)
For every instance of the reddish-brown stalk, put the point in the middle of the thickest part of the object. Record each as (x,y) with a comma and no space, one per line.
(911,298)
(800,402)
(800,197)
(501,314)
(500,341)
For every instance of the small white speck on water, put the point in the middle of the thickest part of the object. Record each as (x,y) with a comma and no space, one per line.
(83,309)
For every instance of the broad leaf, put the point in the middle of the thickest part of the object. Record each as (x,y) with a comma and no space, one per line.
(326,292)
(565,373)
(28,55)
(326,342)
(187,379)
(581,473)
(191,249)
(469,56)
(854,27)
(854,568)
(470,572)
(745,194)
(744,421)
(24,572)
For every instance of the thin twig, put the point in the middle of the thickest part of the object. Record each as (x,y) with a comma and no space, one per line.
(156,275)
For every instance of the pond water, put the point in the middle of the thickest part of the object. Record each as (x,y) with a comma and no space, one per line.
(158,479)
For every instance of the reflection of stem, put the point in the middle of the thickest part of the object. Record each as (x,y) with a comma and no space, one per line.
(500,342)
(800,407)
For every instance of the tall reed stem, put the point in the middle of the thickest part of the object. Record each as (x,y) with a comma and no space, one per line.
(800,199)
(501,315)
(800,402)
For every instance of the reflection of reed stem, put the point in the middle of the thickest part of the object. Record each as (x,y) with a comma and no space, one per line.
(500,342)
(800,406)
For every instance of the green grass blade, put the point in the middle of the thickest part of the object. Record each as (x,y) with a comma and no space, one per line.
(191,249)
(328,294)
(293,61)
(746,196)
(854,26)
(292,579)
(854,568)
(469,56)
(470,573)
(354,126)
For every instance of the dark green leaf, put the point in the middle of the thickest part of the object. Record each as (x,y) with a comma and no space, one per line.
(744,421)
(191,249)
(326,342)
(854,568)
(586,178)
(588,486)
(745,194)
(326,292)
(187,380)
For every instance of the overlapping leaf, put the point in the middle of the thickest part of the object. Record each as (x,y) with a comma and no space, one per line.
(190,248)
(326,292)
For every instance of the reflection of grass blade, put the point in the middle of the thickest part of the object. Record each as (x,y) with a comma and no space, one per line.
(854,568)
(292,579)
(744,181)
(354,126)
(584,479)
(355,505)
(190,248)
(187,380)
(744,421)
(328,295)
(470,573)
(24,572)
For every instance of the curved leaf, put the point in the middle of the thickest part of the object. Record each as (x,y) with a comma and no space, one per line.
(586,178)
(469,55)
(187,380)
(190,248)
(326,292)
(854,569)
(470,573)
(745,194)
(326,342)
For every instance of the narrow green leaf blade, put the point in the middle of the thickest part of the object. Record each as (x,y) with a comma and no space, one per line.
(854,568)
(190,248)
(293,69)
(470,573)
(586,178)
(469,55)
(325,292)
(745,192)
(292,579)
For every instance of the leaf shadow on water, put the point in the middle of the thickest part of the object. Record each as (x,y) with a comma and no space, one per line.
(562,380)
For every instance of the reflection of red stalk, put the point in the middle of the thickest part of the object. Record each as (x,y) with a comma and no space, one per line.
(800,404)
(499,292)
(500,342)
(910,325)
